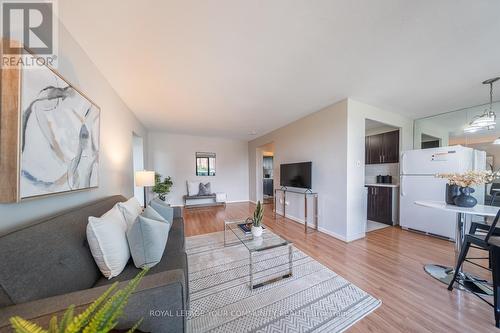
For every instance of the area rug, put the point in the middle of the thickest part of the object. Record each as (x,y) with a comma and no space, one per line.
(314,299)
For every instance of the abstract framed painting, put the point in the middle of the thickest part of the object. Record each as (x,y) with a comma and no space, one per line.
(57,141)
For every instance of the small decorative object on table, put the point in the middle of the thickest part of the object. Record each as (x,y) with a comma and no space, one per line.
(452,191)
(162,188)
(247,226)
(258,214)
(459,187)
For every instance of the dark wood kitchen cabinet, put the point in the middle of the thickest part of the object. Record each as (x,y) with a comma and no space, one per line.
(382,148)
(268,187)
(379,204)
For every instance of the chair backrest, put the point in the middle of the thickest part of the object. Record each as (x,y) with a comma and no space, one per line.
(494,186)
(492,227)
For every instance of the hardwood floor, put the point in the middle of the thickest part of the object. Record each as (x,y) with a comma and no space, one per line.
(388,264)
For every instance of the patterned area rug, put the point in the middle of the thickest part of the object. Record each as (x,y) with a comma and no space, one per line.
(314,299)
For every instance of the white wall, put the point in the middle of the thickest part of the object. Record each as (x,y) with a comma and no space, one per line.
(321,138)
(117,125)
(174,155)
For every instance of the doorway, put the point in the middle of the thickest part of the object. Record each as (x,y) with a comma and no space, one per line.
(138,164)
(382,150)
(265,173)
(268,179)
(429,141)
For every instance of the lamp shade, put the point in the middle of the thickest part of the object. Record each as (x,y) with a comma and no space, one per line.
(144,178)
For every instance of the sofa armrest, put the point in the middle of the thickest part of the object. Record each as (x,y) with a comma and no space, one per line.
(177,212)
(160,299)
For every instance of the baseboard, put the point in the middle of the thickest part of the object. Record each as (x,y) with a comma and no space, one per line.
(333,234)
(356,237)
(232,201)
(291,217)
(325,231)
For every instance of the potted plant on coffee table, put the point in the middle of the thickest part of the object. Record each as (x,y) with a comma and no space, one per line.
(258,214)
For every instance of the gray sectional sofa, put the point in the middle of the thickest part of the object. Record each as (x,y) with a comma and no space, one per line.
(47,266)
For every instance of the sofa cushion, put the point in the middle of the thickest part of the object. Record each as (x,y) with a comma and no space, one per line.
(147,239)
(163,209)
(205,189)
(168,262)
(130,210)
(150,213)
(176,240)
(108,242)
(51,257)
(165,290)
(193,188)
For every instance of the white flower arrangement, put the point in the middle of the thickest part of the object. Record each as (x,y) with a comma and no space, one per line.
(470,178)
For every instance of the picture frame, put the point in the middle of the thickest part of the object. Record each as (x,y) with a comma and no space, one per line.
(49,134)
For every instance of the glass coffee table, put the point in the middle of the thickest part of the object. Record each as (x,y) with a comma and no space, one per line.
(267,241)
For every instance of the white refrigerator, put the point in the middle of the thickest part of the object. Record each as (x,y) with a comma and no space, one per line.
(418,182)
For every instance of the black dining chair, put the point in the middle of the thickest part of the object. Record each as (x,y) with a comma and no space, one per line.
(487,238)
(494,193)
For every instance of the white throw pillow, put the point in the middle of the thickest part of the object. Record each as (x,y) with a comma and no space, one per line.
(116,214)
(193,188)
(107,240)
(130,210)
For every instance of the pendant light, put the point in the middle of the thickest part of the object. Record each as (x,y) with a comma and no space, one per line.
(487,120)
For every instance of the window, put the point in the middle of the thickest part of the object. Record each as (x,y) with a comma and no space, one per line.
(205,164)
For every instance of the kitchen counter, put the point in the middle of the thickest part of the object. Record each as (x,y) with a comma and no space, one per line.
(383,185)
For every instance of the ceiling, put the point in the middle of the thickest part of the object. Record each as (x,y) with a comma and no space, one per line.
(243,68)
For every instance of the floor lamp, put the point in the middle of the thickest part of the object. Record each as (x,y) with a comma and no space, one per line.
(144,179)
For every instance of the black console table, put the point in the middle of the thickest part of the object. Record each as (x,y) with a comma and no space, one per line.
(306,194)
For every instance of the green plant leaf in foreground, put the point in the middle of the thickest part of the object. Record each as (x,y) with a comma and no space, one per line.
(100,317)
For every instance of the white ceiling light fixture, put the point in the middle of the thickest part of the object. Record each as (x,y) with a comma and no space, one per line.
(487,120)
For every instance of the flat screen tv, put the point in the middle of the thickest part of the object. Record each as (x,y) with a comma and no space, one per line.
(296,175)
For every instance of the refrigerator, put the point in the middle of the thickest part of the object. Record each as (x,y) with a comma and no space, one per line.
(418,182)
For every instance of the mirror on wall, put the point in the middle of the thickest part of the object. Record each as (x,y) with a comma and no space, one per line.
(454,128)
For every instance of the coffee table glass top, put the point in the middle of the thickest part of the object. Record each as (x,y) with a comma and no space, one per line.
(268,240)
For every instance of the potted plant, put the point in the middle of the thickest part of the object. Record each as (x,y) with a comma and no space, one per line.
(258,214)
(464,182)
(162,188)
(101,316)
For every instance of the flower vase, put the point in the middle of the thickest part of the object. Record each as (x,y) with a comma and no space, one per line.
(465,199)
(451,192)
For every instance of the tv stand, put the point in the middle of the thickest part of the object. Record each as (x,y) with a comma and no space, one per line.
(306,194)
